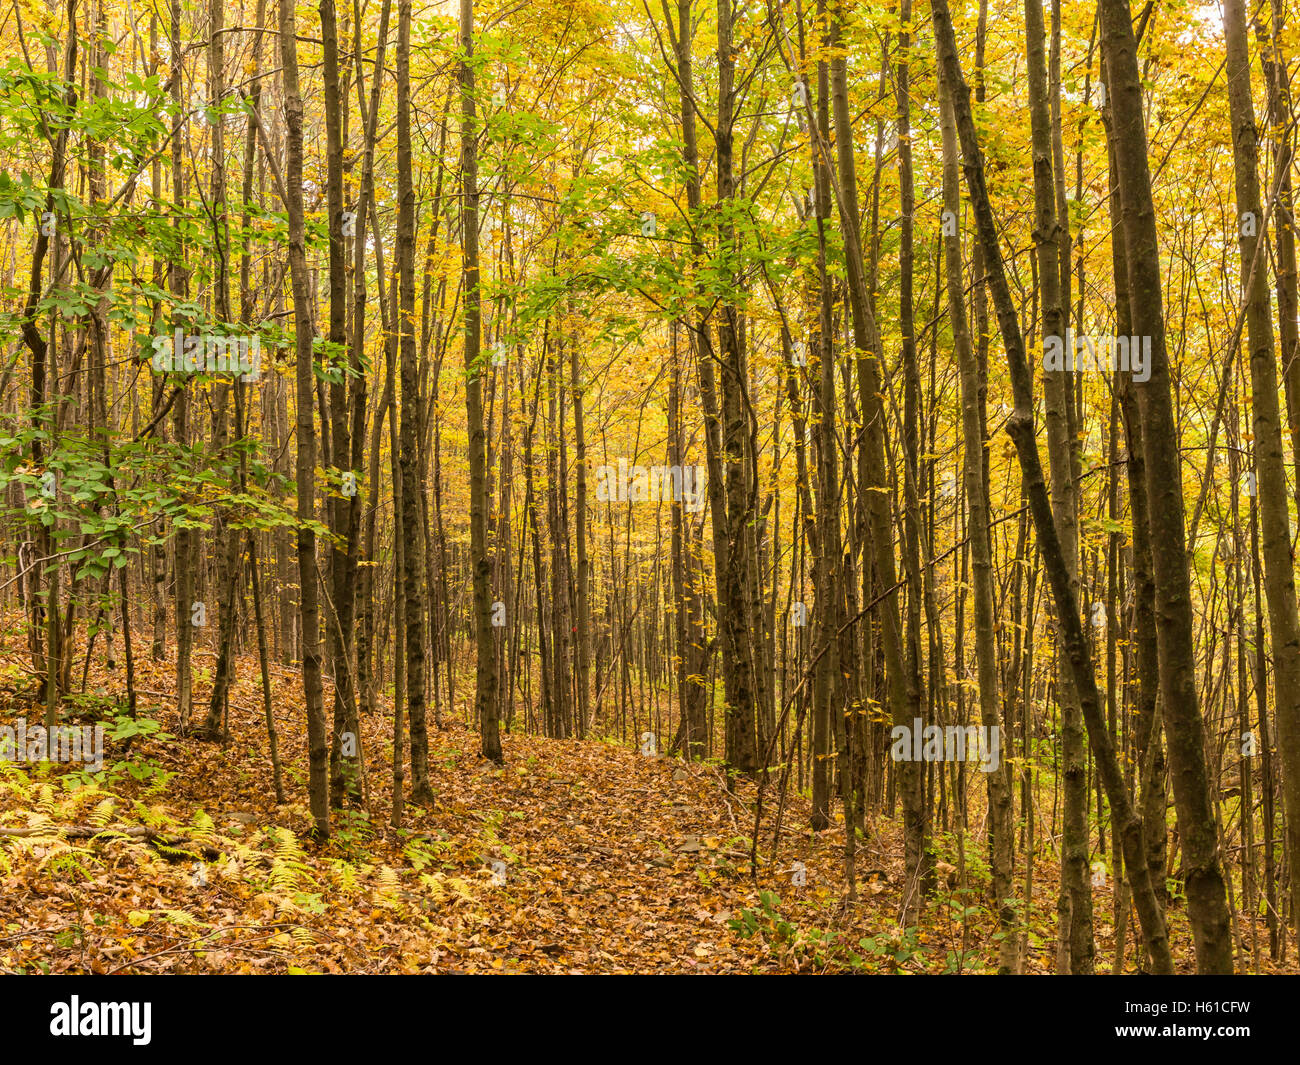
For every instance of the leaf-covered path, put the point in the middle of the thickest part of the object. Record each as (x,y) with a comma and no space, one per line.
(575,856)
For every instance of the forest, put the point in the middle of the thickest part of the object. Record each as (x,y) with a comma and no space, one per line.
(649,486)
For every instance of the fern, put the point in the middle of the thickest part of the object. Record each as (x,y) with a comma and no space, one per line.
(43,821)
(201,826)
(102,813)
(345,875)
(387,883)
(182,918)
(280,879)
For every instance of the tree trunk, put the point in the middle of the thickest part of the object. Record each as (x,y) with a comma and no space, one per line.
(1075,906)
(1020,426)
(1271,488)
(308,591)
(411,527)
(480,558)
(1001,825)
(1206,894)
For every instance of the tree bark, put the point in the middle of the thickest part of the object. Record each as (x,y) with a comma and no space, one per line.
(1206,894)
(981,548)
(1271,488)
(308,590)
(1020,427)
(480,559)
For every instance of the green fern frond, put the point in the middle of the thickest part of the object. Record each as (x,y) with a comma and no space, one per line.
(201,825)
(102,813)
(182,918)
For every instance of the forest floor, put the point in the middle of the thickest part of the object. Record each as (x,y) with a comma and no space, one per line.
(576,856)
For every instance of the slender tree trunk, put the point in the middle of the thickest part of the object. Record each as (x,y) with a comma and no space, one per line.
(903,701)
(999,779)
(364,574)
(228,539)
(184,558)
(413,553)
(480,558)
(1020,427)
(826,682)
(344,502)
(263,659)
(1147,740)
(308,590)
(700,329)
(1206,894)
(1275,525)
(738,631)
(582,564)
(1075,906)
